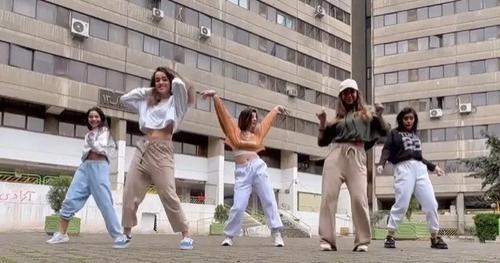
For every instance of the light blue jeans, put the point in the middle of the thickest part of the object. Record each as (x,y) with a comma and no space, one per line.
(92,178)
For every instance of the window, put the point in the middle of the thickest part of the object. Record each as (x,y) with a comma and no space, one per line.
(402,47)
(379,50)
(493,97)
(61,66)
(131,82)
(465,98)
(448,9)
(80,131)
(464,68)
(97,76)
(423,43)
(203,62)
(202,104)
(205,21)
(62,17)
(391,49)
(437,135)
(423,74)
(230,32)
(435,11)
(217,27)
(491,33)
(451,134)
(66,129)
(43,63)
(190,58)
(5,5)
(467,133)
(402,17)
(436,72)
(478,67)
(46,12)
(479,99)
(21,57)
(25,7)
(229,70)
(463,37)
(477,35)
(216,66)
(412,15)
(191,17)
(4,53)
(179,54)
(281,51)
(166,50)
(403,76)
(461,6)
(412,45)
(478,130)
(242,37)
(241,74)
(98,28)
(449,40)
(422,13)
(450,102)
(80,16)
(35,124)
(135,40)
(14,120)
(413,75)
(450,70)
(151,45)
(378,21)
(379,80)
(475,5)
(117,34)
(168,8)
(115,80)
(491,3)
(391,78)
(390,19)
(435,41)
(77,71)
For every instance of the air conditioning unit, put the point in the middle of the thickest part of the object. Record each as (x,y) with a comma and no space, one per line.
(465,108)
(79,28)
(205,32)
(435,113)
(319,11)
(158,14)
(291,91)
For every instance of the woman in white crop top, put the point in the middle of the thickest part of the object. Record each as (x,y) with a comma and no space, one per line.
(161,109)
(92,178)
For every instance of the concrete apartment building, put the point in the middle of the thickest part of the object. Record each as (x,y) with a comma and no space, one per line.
(442,58)
(58,58)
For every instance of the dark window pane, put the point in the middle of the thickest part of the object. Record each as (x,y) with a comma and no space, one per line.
(229,70)
(35,124)
(117,34)
(77,71)
(43,63)
(203,62)
(436,72)
(216,66)
(135,40)
(449,40)
(477,35)
(115,80)
(412,45)
(98,28)
(62,17)
(412,15)
(97,76)
(190,58)
(66,129)
(413,75)
(463,37)
(46,12)
(21,57)
(479,99)
(478,67)
(242,37)
(478,130)
(151,45)
(450,70)
(25,7)
(179,54)
(191,17)
(61,66)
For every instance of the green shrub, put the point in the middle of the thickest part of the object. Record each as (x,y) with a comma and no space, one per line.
(486,226)
(221,214)
(58,187)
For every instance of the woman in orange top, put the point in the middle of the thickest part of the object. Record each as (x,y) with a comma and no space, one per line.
(245,138)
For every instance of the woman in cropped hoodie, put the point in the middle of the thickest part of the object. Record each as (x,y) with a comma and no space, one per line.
(354,130)
(404,150)
(161,108)
(92,178)
(245,138)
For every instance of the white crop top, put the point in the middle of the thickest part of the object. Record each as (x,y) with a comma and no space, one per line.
(171,110)
(241,152)
(99,141)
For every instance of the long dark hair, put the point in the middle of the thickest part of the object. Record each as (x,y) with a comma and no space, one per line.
(401,115)
(245,118)
(101,115)
(155,97)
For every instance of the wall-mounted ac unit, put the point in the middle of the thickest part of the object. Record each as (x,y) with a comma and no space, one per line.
(158,14)
(435,113)
(291,91)
(464,108)
(319,11)
(205,32)
(79,28)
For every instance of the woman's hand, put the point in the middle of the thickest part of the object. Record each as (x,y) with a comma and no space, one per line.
(321,117)
(281,109)
(209,93)
(439,171)
(379,109)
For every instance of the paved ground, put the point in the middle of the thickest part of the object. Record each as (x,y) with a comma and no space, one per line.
(31,247)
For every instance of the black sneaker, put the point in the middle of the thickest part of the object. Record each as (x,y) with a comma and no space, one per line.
(438,243)
(389,242)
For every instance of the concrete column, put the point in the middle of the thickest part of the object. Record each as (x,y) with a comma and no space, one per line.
(288,196)
(461,213)
(117,161)
(51,124)
(214,187)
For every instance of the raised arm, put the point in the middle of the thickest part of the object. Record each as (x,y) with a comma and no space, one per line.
(135,97)
(226,122)
(180,97)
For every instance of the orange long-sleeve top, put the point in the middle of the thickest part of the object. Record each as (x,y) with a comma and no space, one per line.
(237,139)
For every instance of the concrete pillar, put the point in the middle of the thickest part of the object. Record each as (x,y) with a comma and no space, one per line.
(214,187)
(118,130)
(51,124)
(461,213)
(288,194)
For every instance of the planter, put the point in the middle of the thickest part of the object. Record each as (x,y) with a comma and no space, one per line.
(52,225)
(406,230)
(216,229)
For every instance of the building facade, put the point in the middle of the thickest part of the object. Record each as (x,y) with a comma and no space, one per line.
(59,58)
(442,59)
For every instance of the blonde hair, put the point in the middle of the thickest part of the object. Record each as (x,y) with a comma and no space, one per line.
(360,109)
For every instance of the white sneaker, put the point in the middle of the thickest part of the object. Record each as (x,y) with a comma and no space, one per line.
(58,238)
(228,241)
(278,241)
(121,242)
(362,248)
(323,246)
(186,244)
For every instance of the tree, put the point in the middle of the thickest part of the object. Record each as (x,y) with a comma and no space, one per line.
(488,168)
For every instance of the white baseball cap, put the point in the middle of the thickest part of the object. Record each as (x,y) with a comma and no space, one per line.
(348,84)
